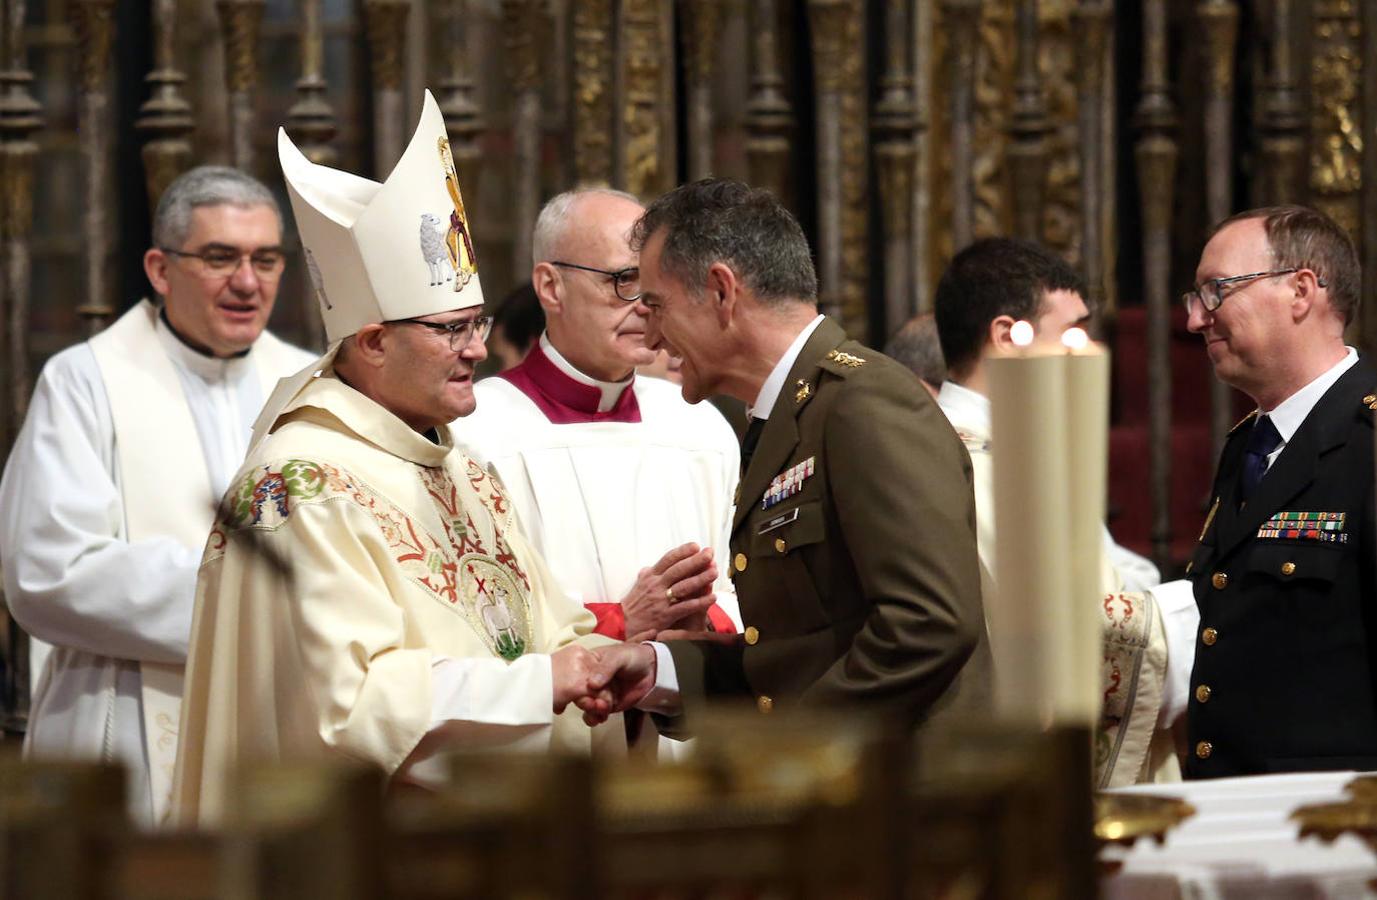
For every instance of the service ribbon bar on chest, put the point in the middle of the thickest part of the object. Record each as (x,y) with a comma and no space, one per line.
(1326,527)
(787,483)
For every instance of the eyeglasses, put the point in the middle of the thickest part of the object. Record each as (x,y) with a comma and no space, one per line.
(1211,294)
(626,283)
(460,333)
(222,262)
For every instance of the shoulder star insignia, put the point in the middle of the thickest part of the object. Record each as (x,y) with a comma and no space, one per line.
(845,359)
(805,390)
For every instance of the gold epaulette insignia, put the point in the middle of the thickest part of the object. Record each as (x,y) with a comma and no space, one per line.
(845,359)
(1241,422)
(805,390)
(1370,401)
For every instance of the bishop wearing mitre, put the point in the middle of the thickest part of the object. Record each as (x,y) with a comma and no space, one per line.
(365,591)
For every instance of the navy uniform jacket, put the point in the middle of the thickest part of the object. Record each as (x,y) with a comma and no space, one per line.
(1284,659)
(860,587)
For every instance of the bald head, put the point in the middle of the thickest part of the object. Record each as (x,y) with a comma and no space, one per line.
(584,271)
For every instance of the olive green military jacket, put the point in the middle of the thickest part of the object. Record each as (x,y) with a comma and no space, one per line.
(858,580)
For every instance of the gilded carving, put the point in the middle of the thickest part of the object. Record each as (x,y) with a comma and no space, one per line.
(702,21)
(641,30)
(995,46)
(523,23)
(1336,143)
(240,20)
(386,23)
(93,22)
(593,91)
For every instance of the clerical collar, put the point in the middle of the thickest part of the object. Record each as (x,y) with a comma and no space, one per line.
(769,391)
(565,395)
(206,366)
(611,390)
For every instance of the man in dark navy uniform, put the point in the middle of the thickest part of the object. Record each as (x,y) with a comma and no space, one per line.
(1284,574)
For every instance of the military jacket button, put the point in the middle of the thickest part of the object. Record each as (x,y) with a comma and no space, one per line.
(1202,693)
(740,562)
(1220,580)
(1204,749)
(1288,568)
(764,703)
(1209,636)
(752,635)
(780,546)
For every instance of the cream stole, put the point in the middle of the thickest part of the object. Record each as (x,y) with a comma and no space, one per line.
(163,472)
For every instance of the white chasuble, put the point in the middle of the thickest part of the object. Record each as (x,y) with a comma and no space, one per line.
(365,592)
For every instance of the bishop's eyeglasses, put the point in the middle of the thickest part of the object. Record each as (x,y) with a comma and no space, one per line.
(460,333)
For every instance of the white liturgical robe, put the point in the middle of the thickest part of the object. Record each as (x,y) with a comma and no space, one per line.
(604,488)
(105,504)
(365,588)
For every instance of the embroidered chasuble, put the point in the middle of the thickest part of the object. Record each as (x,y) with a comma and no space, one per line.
(365,588)
(603,494)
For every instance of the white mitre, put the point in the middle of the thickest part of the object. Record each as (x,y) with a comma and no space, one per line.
(379,252)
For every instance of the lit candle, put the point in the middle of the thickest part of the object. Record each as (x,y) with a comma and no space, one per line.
(1049,434)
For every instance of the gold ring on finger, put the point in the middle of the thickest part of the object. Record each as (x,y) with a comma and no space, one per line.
(669,594)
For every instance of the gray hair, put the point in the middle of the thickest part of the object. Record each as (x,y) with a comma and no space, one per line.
(721,220)
(553,220)
(206,186)
(917,346)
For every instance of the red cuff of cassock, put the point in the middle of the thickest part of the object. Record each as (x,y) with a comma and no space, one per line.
(612,621)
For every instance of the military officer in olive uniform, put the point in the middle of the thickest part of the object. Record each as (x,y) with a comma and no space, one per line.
(853,545)
(1284,573)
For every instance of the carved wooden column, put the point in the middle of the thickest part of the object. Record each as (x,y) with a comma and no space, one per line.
(311,119)
(166,116)
(94,23)
(1368,229)
(1090,22)
(702,19)
(1028,129)
(1283,122)
(593,88)
(961,19)
(463,117)
(894,126)
(1155,155)
(386,21)
(19,119)
(239,20)
(769,120)
(1219,26)
(311,123)
(827,19)
(523,23)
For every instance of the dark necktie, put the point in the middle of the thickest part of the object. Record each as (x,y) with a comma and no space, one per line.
(748,442)
(1262,441)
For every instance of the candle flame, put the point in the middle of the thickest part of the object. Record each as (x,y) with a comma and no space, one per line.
(1021,333)
(1075,338)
